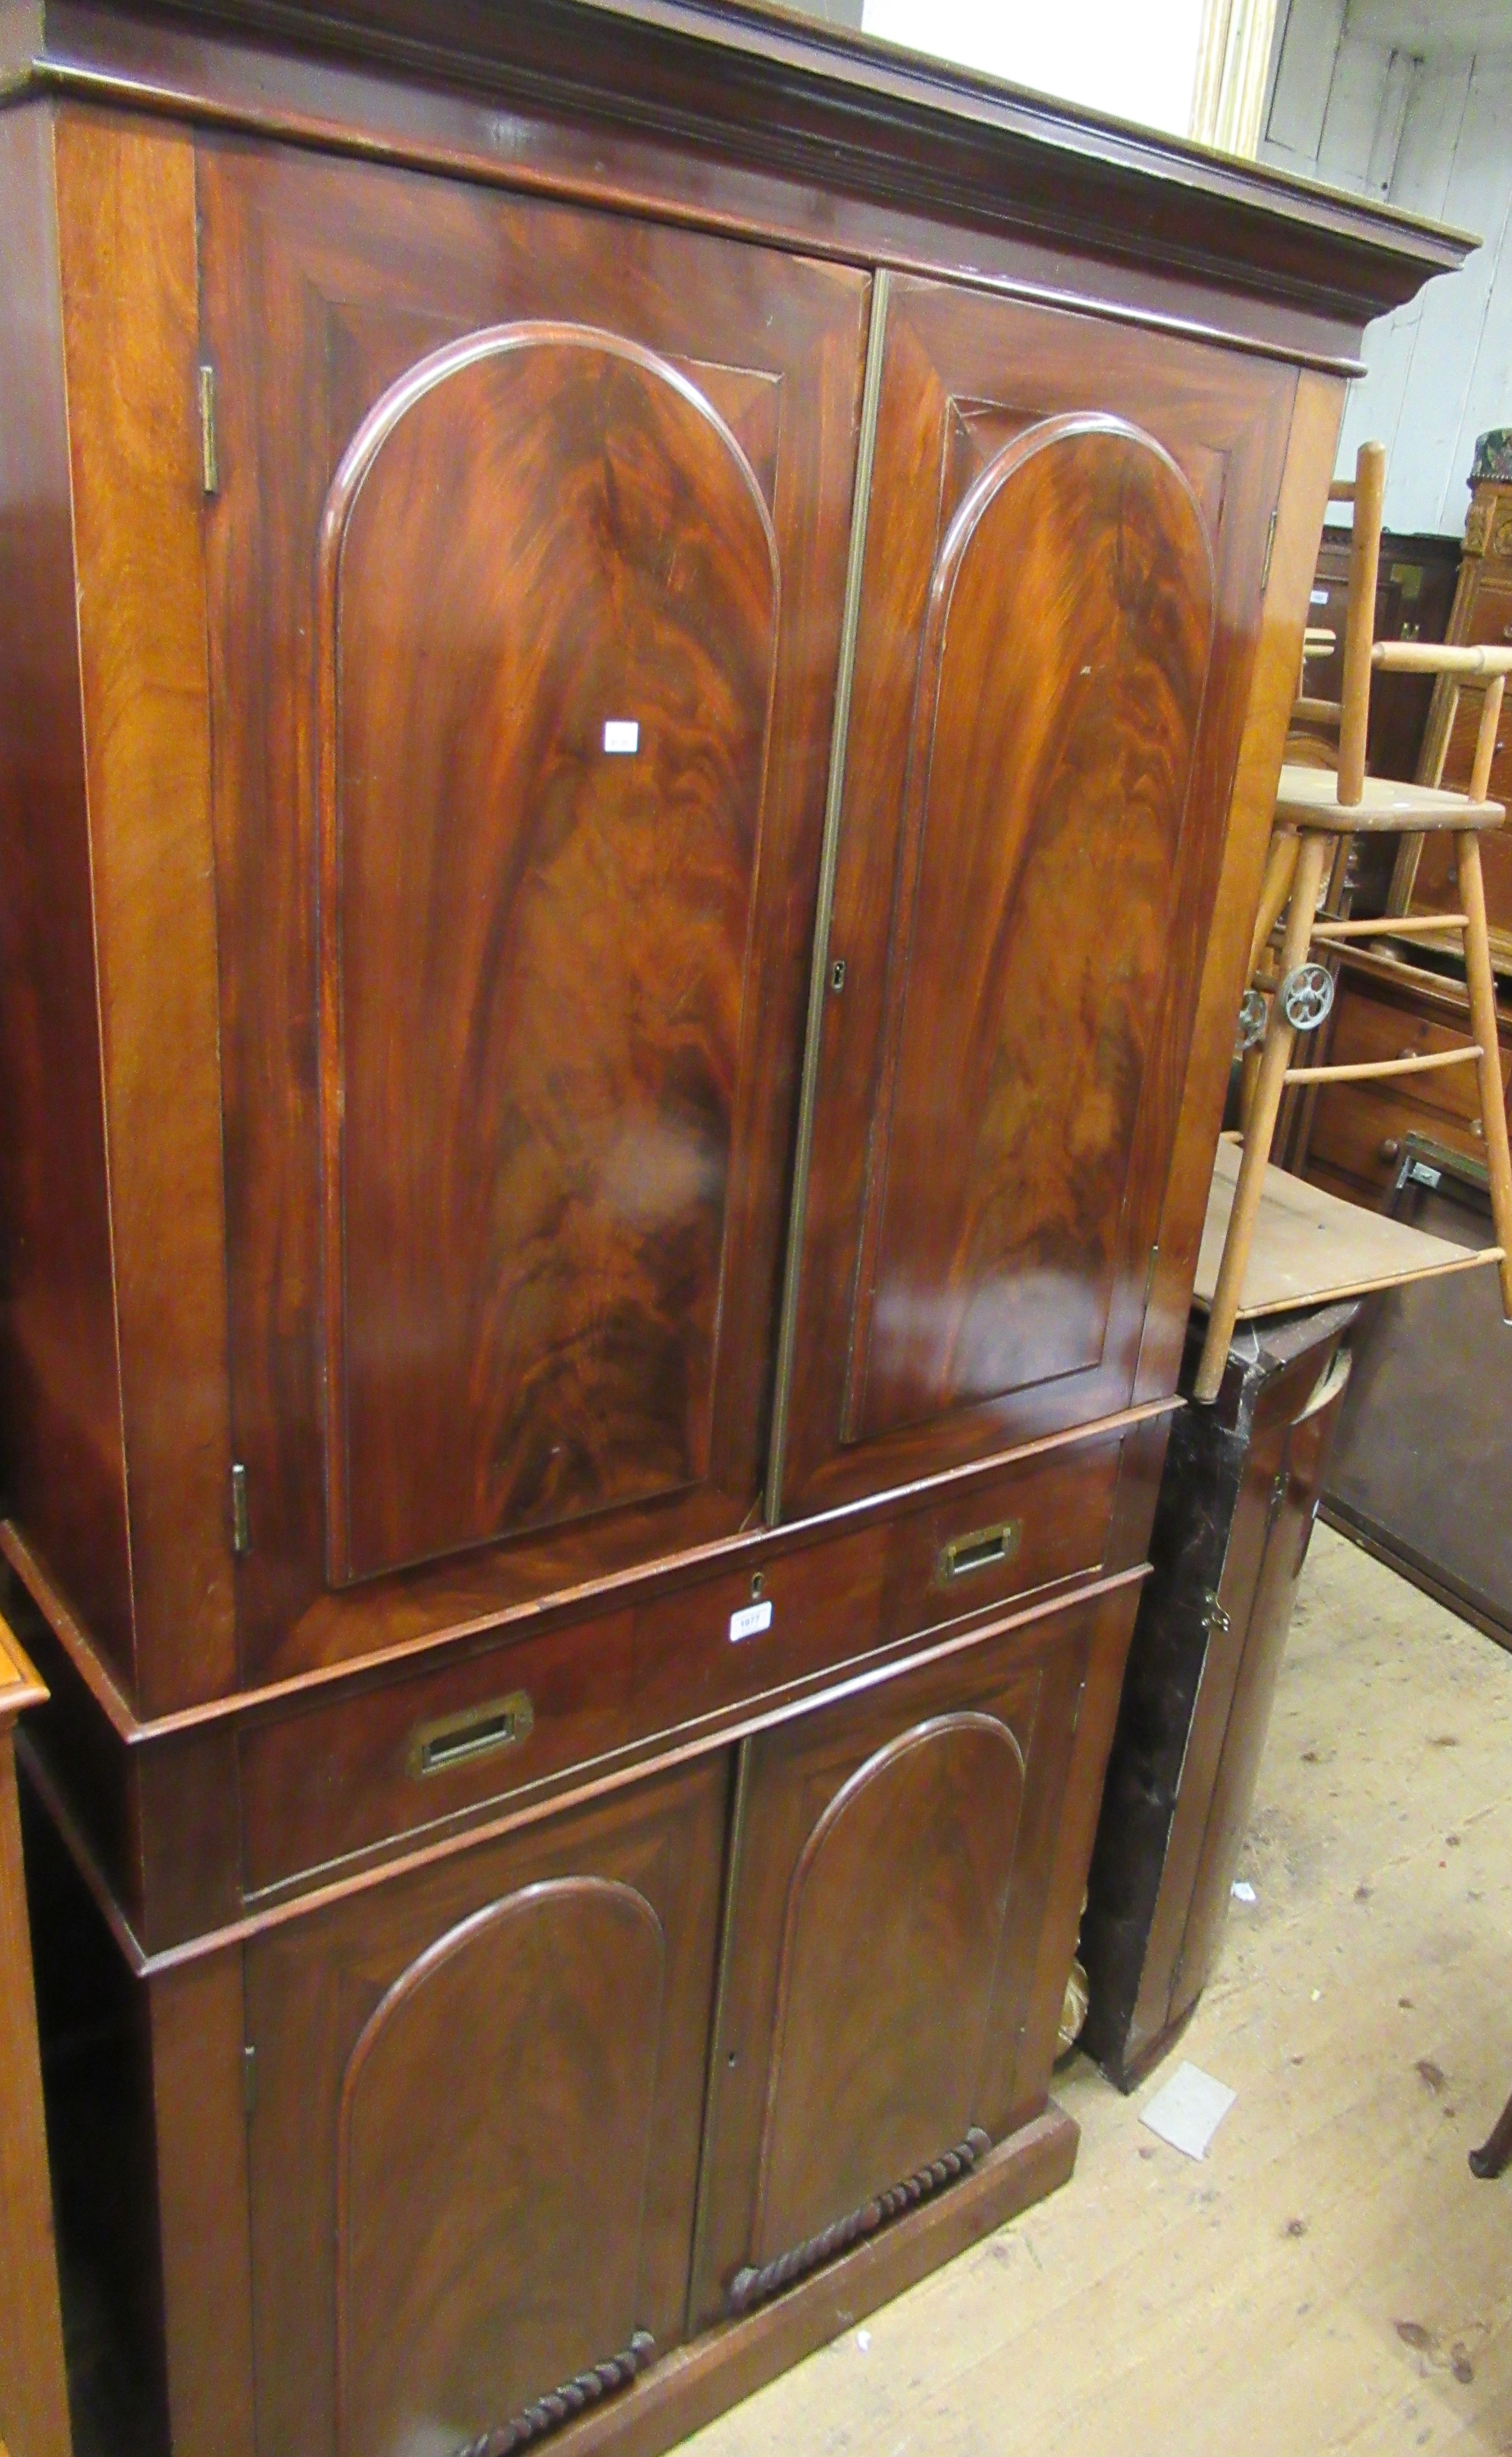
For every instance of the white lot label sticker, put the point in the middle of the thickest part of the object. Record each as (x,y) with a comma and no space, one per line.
(621,734)
(1318,597)
(747,1624)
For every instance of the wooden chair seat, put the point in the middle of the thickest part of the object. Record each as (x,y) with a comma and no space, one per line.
(1308,797)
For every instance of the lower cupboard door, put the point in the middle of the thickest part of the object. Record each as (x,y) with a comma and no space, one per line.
(475,2142)
(894,1858)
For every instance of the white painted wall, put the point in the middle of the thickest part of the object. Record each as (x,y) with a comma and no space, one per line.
(1411,101)
(1137,62)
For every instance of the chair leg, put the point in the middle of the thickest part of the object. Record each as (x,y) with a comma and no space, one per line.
(1484,1025)
(1274,1059)
(1281,868)
(1493,2155)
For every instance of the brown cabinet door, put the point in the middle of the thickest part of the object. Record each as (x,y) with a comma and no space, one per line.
(1061,596)
(892,1973)
(475,2143)
(525,582)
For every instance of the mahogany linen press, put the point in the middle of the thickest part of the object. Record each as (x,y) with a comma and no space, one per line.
(645,652)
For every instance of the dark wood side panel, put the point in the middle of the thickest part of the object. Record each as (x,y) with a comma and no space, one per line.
(475,2148)
(1044,733)
(549,614)
(130,323)
(64,1456)
(1294,1505)
(325,282)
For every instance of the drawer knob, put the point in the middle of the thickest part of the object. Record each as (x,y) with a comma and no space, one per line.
(1390,1149)
(982,1550)
(476,1732)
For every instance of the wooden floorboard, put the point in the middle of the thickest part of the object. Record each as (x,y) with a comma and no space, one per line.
(1331,2276)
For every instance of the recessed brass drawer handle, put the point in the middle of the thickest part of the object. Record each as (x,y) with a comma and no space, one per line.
(982,1550)
(452,1740)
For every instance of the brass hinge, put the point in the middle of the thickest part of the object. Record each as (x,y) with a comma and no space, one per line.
(1270,548)
(1214,1617)
(210,458)
(248,2081)
(240,1524)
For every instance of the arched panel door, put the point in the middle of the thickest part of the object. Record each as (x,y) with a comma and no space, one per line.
(923,1835)
(549,616)
(1059,608)
(1065,655)
(473,2154)
(494,2131)
(907,1869)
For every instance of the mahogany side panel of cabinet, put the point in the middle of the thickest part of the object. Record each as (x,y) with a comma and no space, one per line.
(562,976)
(892,1856)
(64,1460)
(475,2148)
(1060,606)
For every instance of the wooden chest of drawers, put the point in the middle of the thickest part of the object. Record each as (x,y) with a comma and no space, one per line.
(1356,1131)
(644,659)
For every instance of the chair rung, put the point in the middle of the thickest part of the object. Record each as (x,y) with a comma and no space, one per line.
(1400,925)
(1372,1070)
(1318,711)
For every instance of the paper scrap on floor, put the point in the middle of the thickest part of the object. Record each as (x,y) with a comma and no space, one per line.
(1189,2110)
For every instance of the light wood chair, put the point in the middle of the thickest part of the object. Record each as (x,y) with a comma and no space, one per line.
(1317,810)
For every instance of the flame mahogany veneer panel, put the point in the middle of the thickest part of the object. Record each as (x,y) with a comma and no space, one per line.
(1060,605)
(475,2149)
(1061,673)
(901,1860)
(535,952)
(562,991)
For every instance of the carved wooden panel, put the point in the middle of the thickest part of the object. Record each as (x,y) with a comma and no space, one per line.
(549,618)
(475,2144)
(885,1939)
(1059,608)
(532,1297)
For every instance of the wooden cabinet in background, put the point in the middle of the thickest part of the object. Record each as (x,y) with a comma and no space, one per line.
(1389,1008)
(1481,616)
(1414,596)
(643,664)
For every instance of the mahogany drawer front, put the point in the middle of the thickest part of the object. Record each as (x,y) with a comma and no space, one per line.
(1369,1030)
(326,1782)
(1360,1132)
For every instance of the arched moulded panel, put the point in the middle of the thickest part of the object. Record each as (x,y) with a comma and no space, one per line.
(1060,685)
(495,2129)
(549,602)
(895,1916)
